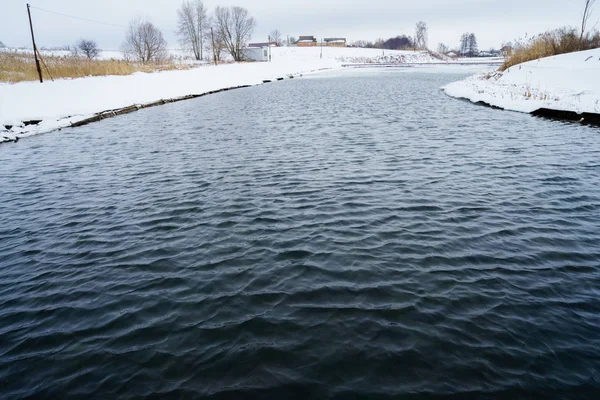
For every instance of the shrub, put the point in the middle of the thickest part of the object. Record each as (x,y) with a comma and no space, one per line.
(551,43)
(88,48)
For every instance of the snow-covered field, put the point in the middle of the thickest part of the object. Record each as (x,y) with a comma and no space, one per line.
(568,82)
(352,55)
(60,103)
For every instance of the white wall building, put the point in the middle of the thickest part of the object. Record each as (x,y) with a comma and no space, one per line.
(257,53)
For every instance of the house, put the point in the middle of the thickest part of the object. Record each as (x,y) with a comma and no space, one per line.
(335,42)
(263,44)
(256,53)
(307,41)
(507,51)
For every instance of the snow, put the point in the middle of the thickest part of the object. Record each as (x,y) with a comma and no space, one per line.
(65,101)
(60,103)
(354,55)
(568,82)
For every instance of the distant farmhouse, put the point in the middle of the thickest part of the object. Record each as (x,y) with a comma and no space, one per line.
(307,41)
(263,44)
(335,42)
(506,51)
(311,41)
(258,51)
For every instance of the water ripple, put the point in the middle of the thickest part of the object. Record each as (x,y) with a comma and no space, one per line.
(358,235)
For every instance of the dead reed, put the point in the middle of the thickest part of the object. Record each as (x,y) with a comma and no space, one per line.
(19,67)
(551,43)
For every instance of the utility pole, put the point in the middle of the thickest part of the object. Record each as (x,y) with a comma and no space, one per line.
(37,62)
(212,35)
(321,49)
(269,47)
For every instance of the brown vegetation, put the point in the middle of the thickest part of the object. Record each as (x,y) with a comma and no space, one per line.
(19,67)
(551,43)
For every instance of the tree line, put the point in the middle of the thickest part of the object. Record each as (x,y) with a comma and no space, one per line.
(400,42)
(468,43)
(198,31)
(227,28)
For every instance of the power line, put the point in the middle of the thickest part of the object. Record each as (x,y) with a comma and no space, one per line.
(79,18)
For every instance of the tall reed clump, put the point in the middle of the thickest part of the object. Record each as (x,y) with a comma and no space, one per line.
(551,43)
(19,67)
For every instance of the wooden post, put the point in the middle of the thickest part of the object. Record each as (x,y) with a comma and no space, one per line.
(321,49)
(212,35)
(37,61)
(269,47)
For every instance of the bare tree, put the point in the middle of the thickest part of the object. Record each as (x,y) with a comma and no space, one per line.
(218,44)
(473,46)
(587,13)
(275,37)
(421,35)
(144,42)
(235,26)
(464,44)
(192,21)
(292,40)
(442,48)
(88,48)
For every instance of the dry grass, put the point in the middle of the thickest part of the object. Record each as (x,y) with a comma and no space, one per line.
(551,43)
(18,67)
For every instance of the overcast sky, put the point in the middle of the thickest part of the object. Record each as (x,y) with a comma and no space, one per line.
(492,21)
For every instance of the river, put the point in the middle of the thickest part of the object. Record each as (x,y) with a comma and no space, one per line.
(355,234)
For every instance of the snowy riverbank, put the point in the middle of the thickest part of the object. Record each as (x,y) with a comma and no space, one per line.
(568,82)
(62,103)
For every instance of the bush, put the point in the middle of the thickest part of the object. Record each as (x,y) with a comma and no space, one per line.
(559,41)
(88,48)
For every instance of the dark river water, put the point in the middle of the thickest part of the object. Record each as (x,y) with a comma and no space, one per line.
(348,235)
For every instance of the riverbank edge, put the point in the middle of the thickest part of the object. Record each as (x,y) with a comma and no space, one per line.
(101,115)
(585,118)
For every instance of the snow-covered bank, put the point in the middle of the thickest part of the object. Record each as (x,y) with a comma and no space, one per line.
(63,102)
(568,82)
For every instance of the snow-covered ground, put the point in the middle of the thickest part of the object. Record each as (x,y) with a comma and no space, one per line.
(568,82)
(345,55)
(60,103)
(353,55)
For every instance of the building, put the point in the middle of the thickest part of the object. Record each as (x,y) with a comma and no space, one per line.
(256,53)
(263,44)
(506,51)
(307,41)
(335,42)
